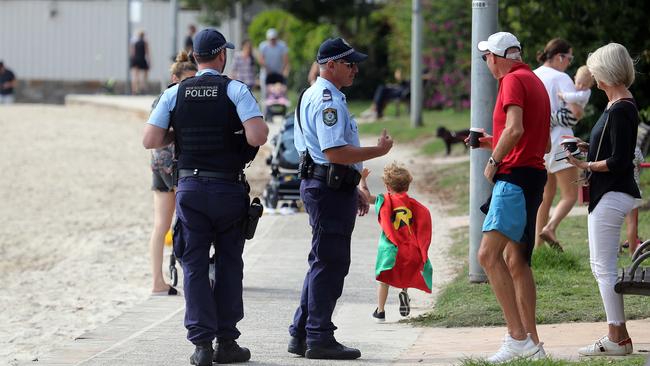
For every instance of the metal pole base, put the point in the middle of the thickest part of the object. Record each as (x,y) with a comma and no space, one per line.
(478,278)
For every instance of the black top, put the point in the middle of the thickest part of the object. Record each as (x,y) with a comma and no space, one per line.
(619,141)
(189,43)
(6,76)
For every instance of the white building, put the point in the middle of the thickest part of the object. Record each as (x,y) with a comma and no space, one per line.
(73,42)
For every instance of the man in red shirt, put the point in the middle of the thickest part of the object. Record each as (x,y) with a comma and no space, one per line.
(521,137)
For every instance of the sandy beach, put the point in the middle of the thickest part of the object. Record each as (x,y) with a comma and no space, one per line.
(75,216)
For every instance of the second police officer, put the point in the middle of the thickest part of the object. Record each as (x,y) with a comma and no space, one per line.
(328,140)
(217,126)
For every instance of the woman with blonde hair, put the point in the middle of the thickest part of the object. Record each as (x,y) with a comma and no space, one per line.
(163,187)
(610,170)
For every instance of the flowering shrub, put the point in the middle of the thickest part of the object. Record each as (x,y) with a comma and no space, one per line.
(446,49)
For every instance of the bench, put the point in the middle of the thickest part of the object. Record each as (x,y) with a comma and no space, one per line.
(635,280)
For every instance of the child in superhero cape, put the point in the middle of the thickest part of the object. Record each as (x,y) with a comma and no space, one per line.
(402,259)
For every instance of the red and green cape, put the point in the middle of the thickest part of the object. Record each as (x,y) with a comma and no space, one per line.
(402,259)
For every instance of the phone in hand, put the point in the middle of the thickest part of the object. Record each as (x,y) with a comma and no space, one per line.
(564,154)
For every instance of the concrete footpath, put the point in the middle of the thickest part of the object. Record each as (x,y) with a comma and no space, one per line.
(152,333)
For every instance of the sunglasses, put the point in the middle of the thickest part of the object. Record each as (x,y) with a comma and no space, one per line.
(484,56)
(349,64)
(568,56)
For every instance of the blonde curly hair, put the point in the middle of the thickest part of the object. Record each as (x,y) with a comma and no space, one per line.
(397,178)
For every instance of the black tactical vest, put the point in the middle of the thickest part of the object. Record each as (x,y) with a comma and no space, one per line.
(209,134)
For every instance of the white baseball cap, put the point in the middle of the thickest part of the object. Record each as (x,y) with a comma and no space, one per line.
(498,43)
(271,33)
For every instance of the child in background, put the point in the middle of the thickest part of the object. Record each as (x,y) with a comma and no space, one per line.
(583,82)
(402,259)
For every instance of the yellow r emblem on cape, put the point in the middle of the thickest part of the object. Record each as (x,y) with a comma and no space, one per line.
(329,116)
(402,216)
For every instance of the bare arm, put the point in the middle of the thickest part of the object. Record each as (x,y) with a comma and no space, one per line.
(576,110)
(349,154)
(285,61)
(155,137)
(256,131)
(363,186)
(511,134)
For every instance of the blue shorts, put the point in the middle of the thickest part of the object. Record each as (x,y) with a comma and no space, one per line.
(507,213)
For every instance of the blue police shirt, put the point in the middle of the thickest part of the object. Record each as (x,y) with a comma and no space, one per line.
(326,122)
(237,92)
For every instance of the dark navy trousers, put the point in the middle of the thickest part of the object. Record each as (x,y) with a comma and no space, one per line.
(211,210)
(331,215)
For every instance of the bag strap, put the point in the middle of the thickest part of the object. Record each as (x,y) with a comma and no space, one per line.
(299,123)
(602,134)
(298,111)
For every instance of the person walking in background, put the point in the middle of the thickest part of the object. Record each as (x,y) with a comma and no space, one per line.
(274,61)
(244,67)
(521,123)
(140,64)
(189,38)
(7,84)
(212,195)
(402,259)
(163,187)
(556,58)
(331,164)
(612,189)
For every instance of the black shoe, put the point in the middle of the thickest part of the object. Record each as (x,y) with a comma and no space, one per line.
(379,317)
(228,351)
(297,346)
(335,351)
(202,355)
(404,303)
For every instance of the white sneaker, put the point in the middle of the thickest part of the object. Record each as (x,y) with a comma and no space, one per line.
(541,354)
(512,349)
(605,347)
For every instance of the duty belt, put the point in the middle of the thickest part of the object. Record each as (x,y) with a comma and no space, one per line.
(319,172)
(233,177)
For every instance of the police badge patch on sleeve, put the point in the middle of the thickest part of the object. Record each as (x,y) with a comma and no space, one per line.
(329,116)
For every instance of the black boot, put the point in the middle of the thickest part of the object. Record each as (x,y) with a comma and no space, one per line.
(202,355)
(228,351)
(297,346)
(334,351)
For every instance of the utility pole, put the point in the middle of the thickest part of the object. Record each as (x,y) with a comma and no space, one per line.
(128,47)
(173,5)
(483,97)
(416,64)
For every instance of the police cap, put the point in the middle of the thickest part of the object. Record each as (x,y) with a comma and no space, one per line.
(337,48)
(209,42)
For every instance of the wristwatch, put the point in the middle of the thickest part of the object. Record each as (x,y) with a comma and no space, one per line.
(493,162)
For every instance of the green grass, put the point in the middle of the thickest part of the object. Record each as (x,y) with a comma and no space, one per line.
(452,186)
(627,361)
(401,130)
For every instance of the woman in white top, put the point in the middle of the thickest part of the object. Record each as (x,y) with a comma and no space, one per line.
(555,59)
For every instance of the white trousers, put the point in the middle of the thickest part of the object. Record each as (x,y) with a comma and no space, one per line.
(604,226)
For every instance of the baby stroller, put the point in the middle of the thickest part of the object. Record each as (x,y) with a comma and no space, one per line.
(285,181)
(276,101)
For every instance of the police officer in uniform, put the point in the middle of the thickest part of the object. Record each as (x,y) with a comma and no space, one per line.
(328,140)
(217,127)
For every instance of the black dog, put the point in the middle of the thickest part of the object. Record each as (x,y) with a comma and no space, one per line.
(452,137)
